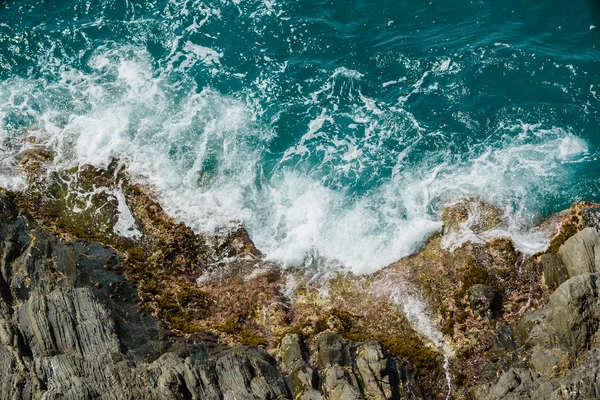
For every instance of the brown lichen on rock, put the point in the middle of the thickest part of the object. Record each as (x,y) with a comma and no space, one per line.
(196,283)
(163,263)
(33,162)
(77,202)
(447,279)
(475,214)
(569,222)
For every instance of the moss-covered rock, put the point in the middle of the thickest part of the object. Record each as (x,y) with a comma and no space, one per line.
(569,222)
(472,214)
(198,284)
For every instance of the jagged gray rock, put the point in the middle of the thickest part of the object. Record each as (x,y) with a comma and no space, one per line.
(527,323)
(302,377)
(521,383)
(345,370)
(575,312)
(515,384)
(331,350)
(581,253)
(374,371)
(576,383)
(559,344)
(70,330)
(544,360)
(555,273)
(339,385)
(533,329)
(339,380)
(291,351)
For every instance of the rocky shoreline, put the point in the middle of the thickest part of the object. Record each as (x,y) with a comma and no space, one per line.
(95,306)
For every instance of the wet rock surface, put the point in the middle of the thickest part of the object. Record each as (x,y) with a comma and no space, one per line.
(218,289)
(485,301)
(554,270)
(71,328)
(170,314)
(558,344)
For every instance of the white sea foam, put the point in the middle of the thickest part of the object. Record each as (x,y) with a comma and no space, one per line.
(349,73)
(422,320)
(308,221)
(203,152)
(504,176)
(207,55)
(125,225)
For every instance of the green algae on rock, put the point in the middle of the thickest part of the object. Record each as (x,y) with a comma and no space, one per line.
(181,279)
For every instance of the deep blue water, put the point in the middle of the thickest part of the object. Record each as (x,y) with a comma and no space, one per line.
(334,131)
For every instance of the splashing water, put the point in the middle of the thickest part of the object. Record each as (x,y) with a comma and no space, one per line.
(335,133)
(421,320)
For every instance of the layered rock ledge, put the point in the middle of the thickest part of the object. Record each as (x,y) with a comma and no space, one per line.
(71,328)
(105,296)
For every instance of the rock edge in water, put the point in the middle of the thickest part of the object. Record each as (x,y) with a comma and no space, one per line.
(70,328)
(161,312)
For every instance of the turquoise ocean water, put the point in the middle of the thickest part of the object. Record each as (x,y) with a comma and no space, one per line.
(335,131)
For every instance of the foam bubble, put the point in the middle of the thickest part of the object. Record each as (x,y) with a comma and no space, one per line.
(348,73)
(571,147)
(207,55)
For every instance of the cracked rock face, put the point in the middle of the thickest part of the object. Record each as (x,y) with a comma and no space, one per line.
(560,346)
(581,253)
(343,369)
(70,328)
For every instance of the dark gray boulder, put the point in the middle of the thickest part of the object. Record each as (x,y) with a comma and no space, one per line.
(555,273)
(331,350)
(485,301)
(581,253)
(515,384)
(575,312)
